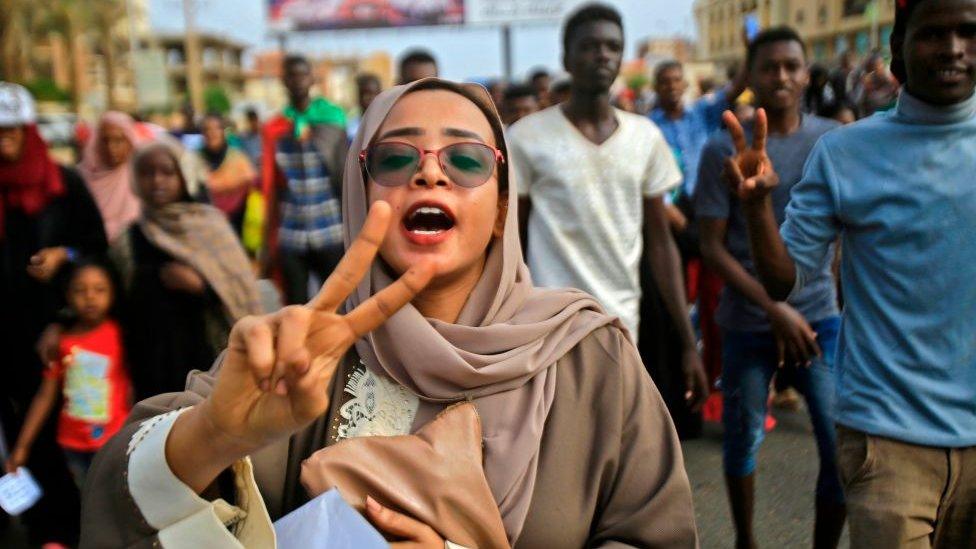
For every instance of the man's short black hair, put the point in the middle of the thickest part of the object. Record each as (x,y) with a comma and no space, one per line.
(518,91)
(537,74)
(563,86)
(417,56)
(367,78)
(770,36)
(251,113)
(903,12)
(589,14)
(293,59)
(830,110)
(664,66)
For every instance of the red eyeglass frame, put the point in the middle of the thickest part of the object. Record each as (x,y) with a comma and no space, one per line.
(499,155)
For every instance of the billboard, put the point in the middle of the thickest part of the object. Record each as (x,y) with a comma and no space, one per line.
(515,11)
(359,14)
(152,82)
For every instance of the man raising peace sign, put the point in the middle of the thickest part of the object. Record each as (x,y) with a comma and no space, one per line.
(759,332)
(898,189)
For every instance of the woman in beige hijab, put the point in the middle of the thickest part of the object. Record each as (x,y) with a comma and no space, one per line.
(578,448)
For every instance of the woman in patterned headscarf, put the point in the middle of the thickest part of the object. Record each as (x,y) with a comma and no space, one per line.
(186,276)
(564,441)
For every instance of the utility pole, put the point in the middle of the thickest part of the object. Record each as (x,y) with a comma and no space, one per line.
(872,12)
(130,17)
(194,77)
(507,52)
(133,46)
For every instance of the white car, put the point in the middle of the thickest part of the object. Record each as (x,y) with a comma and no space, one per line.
(57,129)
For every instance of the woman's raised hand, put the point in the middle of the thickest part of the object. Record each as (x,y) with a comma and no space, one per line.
(274,378)
(750,172)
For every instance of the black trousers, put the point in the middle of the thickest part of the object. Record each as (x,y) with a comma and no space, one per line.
(660,349)
(297,268)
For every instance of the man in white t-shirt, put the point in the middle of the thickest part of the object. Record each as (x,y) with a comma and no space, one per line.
(591,181)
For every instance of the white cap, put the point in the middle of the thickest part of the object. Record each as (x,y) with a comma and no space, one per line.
(16,106)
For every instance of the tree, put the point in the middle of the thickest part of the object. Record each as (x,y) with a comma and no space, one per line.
(215,99)
(26,23)
(18,30)
(104,17)
(67,18)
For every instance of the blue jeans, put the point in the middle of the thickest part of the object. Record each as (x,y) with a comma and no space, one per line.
(748,364)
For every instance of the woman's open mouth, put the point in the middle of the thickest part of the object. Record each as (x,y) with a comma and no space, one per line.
(428,223)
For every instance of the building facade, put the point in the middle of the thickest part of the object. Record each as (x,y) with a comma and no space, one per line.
(334,77)
(829,27)
(220,63)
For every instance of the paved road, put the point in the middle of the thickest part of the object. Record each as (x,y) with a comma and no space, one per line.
(786,477)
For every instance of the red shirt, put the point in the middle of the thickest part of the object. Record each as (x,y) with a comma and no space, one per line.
(95,384)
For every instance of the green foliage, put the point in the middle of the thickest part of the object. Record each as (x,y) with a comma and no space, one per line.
(637,82)
(44,89)
(215,99)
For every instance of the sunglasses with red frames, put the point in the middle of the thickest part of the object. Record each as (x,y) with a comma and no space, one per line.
(392,164)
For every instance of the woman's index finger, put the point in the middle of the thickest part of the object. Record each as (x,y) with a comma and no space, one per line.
(376,310)
(356,261)
(759,131)
(735,130)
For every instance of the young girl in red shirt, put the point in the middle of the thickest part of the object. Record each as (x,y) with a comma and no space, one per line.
(90,372)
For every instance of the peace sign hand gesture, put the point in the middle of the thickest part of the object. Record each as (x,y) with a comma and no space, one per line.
(275,375)
(750,172)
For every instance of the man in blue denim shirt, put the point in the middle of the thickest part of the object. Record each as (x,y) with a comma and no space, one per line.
(898,189)
(686,128)
(760,334)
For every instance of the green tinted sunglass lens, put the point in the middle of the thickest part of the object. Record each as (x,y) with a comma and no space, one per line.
(470,159)
(467,163)
(391,160)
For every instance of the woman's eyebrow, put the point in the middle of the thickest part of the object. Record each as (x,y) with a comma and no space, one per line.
(457,132)
(402,132)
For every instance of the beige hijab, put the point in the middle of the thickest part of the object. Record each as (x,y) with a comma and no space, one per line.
(200,236)
(500,352)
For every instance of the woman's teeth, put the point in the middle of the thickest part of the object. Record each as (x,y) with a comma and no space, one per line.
(427,210)
(428,220)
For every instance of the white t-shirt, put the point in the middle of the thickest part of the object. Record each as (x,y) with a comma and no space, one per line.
(587,203)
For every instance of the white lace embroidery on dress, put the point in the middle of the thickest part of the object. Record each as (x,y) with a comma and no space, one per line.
(379,407)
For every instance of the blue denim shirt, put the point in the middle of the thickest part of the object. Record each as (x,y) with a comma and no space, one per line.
(687,135)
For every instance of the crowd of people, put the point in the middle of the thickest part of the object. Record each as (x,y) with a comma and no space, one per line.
(503,344)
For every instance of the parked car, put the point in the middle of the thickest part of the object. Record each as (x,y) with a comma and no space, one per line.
(58,129)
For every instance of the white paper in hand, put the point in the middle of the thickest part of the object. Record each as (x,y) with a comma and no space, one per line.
(18,491)
(327,522)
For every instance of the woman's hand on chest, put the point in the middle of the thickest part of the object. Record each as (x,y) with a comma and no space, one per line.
(181,277)
(411,533)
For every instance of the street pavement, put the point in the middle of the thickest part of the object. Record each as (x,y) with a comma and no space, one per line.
(785,483)
(787,474)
